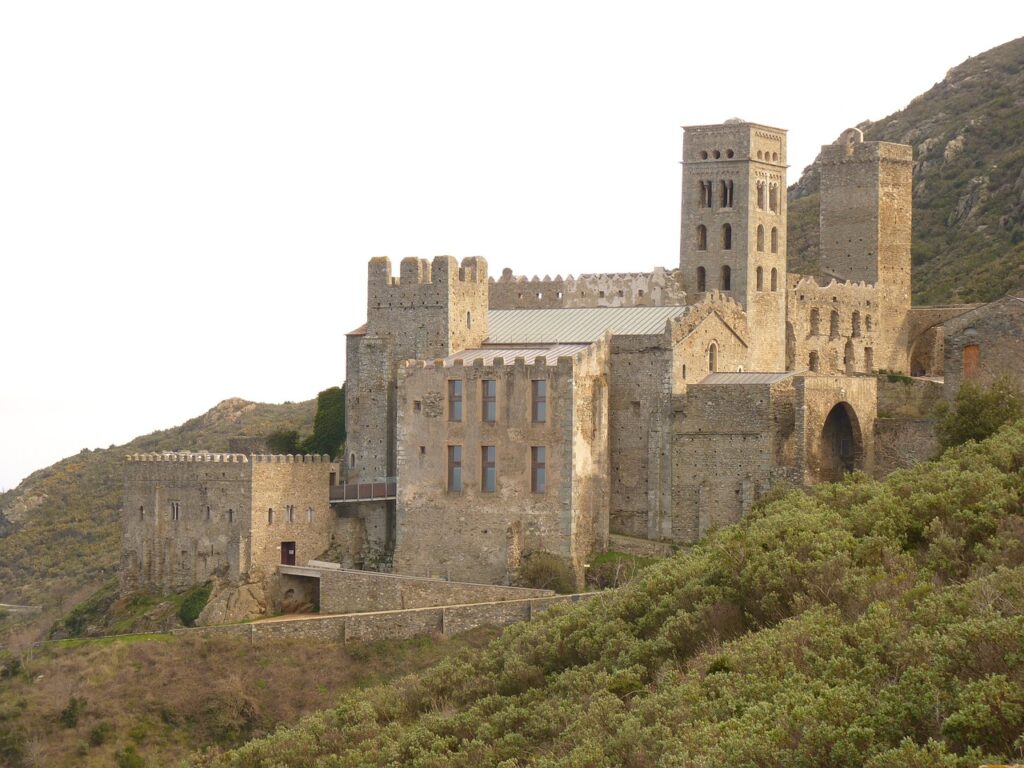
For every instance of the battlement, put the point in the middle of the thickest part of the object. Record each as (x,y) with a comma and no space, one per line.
(227,458)
(416,271)
(659,287)
(498,364)
(188,456)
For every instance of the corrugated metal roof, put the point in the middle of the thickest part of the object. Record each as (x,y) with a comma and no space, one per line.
(509,354)
(744,377)
(588,324)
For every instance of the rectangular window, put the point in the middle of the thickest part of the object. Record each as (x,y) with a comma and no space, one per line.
(454,467)
(290,509)
(270,516)
(175,510)
(489,400)
(488,474)
(309,514)
(538,469)
(540,400)
(455,400)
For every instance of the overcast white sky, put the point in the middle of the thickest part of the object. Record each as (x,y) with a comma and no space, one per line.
(189,191)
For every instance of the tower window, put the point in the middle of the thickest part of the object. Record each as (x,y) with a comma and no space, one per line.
(488,473)
(760,237)
(760,279)
(712,357)
(773,198)
(815,322)
(706,192)
(538,469)
(454,467)
(775,239)
(775,279)
(701,279)
(455,400)
(539,406)
(702,237)
(727,237)
(726,278)
(760,195)
(270,516)
(489,400)
(726,194)
(175,510)
(833,325)
(469,320)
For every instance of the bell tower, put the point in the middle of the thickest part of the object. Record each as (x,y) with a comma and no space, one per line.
(733,232)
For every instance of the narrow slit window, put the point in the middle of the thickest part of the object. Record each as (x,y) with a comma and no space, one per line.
(538,469)
(702,237)
(702,279)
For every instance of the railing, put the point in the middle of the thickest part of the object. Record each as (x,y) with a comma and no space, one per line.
(381,489)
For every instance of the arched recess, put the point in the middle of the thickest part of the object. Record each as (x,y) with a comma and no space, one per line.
(927,352)
(841,444)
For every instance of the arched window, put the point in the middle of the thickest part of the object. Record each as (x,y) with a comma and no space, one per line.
(726,278)
(706,191)
(855,323)
(760,195)
(773,198)
(775,239)
(815,322)
(775,279)
(712,357)
(727,237)
(760,279)
(760,237)
(812,362)
(833,325)
(702,281)
(702,237)
(726,194)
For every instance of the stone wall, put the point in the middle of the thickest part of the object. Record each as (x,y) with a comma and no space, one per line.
(289,504)
(392,625)
(348,591)
(730,441)
(819,397)
(913,398)
(657,288)
(984,344)
(185,519)
(834,328)
(472,535)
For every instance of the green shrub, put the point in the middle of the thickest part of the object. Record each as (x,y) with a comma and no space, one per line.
(193,602)
(615,569)
(100,734)
(10,665)
(283,441)
(544,570)
(129,757)
(977,412)
(68,716)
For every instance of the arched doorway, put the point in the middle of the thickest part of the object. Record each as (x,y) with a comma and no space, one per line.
(841,449)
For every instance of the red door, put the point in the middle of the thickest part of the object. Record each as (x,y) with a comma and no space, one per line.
(287,553)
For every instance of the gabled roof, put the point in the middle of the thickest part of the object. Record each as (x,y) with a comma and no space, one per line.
(575,326)
(509,354)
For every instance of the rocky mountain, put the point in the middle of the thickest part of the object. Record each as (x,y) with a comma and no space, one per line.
(59,529)
(968,137)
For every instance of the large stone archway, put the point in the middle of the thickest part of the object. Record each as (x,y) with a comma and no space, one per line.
(841,446)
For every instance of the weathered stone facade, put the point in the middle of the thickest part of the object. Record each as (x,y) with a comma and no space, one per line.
(523,415)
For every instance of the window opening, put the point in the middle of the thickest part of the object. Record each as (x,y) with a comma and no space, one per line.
(488,473)
(454,467)
(538,469)
(455,400)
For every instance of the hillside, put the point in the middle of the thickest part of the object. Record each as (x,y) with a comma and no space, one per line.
(968,182)
(867,623)
(59,531)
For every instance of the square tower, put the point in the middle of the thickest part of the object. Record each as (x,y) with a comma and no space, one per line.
(733,234)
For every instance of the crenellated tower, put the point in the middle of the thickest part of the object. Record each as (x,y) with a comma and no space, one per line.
(733,233)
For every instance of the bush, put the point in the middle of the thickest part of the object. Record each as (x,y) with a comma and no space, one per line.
(100,734)
(283,441)
(10,665)
(129,757)
(328,424)
(978,413)
(544,570)
(68,716)
(193,603)
(615,569)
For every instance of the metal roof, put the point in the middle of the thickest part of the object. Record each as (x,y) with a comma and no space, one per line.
(744,377)
(509,354)
(553,326)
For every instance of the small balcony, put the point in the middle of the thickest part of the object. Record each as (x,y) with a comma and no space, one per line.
(380,489)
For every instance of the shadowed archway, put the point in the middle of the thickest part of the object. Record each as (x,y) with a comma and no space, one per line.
(841,448)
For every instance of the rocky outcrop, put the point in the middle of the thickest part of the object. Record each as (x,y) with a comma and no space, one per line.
(231,604)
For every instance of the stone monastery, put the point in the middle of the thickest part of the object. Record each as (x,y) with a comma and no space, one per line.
(490,418)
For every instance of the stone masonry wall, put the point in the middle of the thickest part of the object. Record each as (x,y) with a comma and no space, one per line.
(996,333)
(296,489)
(347,591)
(185,519)
(470,535)
(657,288)
(816,398)
(852,343)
